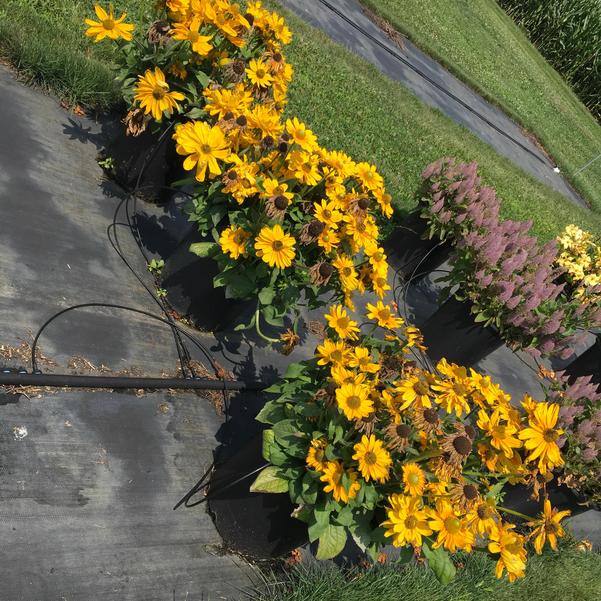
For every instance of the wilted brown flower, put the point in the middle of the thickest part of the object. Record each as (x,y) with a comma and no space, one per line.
(320,273)
(136,122)
(289,340)
(158,32)
(311,231)
(397,435)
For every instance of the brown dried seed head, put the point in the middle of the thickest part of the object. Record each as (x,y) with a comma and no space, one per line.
(470,492)
(363,203)
(463,445)
(242,121)
(281,202)
(470,431)
(315,228)
(431,416)
(325,270)
(403,431)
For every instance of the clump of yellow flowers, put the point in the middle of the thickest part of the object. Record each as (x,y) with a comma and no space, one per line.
(286,219)
(372,445)
(580,257)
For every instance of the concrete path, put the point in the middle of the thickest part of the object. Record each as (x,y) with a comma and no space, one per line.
(345,22)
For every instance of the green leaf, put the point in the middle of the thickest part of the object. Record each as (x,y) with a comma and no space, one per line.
(271,413)
(266,296)
(331,542)
(268,440)
(440,563)
(203,249)
(269,481)
(285,428)
(203,78)
(196,113)
(294,370)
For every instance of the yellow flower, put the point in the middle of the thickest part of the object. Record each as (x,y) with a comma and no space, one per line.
(339,320)
(332,352)
(258,73)
(541,436)
(275,247)
(452,393)
(328,239)
(108,27)
(548,527)
(152,92)
(374,460)
(406,522)
(221,101)
(233,241)
(414,389)
(453,532)
(362,360)
(304,166)
(510,547)
(414,479)
(341,375)
(302,136)
(383,314)
(482,519)
(327,213)
(501,435)
(332,476)
(369,176)
(346,272)
(200,43)
(316,456)
(353,400)
(362,231)
(204,145)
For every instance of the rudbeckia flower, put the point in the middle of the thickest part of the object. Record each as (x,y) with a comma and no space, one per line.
(338,319)
(154,96)
(204,145)
(541,437)
(108,27)
(258,73)
(275,247)
(407,521)
(190,32)
(233,241)
(374,460)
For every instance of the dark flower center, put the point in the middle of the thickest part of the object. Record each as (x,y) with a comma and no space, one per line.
(325,270)
(228,116)
(108,24)
(353,402)
(403,431)
(370,458)
(315,228)
(238,67)
(280,202)
(241,120)
(363,203)
(232,175)
(205,148)
(484,511)
(431,416)
(463,445)
(470,492)
(277,245)
(550,435)
(410,522)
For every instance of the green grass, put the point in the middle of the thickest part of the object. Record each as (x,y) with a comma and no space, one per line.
(347,101)
(569,575)
(481,44)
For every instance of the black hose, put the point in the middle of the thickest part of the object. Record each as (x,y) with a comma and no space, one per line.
(78,381)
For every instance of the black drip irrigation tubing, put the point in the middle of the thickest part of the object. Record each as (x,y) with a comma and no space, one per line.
(20,377)
(433,82)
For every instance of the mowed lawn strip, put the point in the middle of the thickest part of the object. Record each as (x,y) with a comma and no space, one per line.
(482,45)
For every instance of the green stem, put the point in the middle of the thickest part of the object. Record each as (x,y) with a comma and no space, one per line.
(516,513)
(258,328)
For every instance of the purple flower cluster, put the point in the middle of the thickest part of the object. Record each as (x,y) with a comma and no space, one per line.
(580,419)
(510,280)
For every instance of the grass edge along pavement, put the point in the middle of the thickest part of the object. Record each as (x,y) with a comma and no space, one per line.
(529,90)
(401,135)
(572,572)
(347,101)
